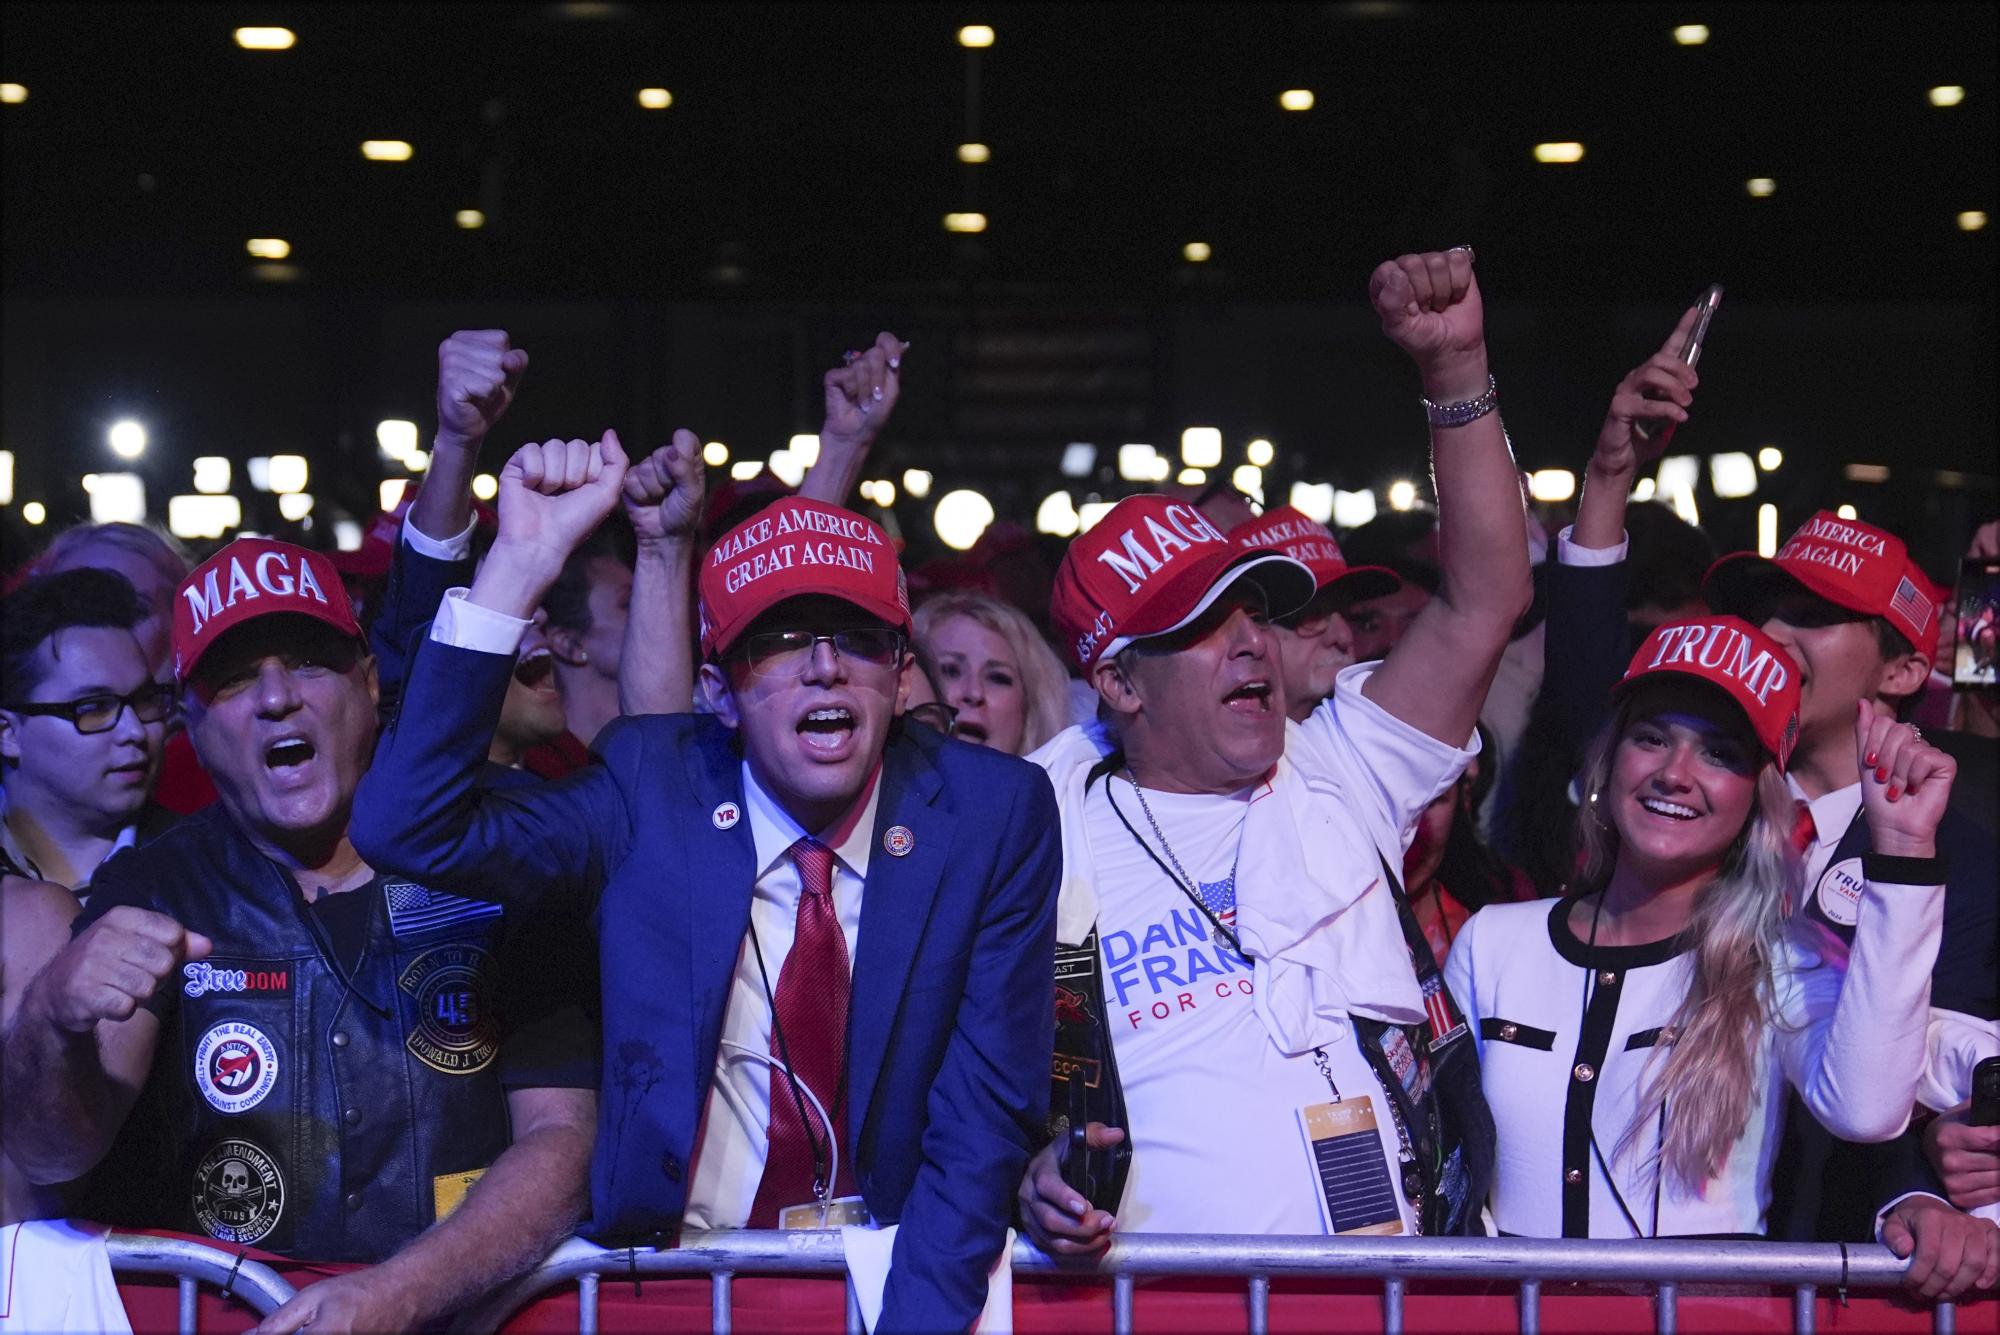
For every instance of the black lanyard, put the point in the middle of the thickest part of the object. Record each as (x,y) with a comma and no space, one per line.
(821,1146)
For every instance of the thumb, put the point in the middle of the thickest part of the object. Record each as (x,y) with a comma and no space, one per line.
(1896,1236)
(513,362)
(611,451)
(1098,1136)
(197,946)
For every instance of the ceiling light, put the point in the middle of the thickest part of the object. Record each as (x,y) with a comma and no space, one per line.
(1732,476)
(1972,220)
(1057,515)
(1201,447)
(1078,458)
(1770,458)
(1848,512)
(13,93)
(265,39)
(805,449)
(1567,150)
(882,491)
(1761,187)
(1947,95)
(6,477)
(116,498)
(267,247)
(655,99)
(1089,513)
(976,35)
(203,516)
(964,222)
(1249,479)
(1135,462)
(1314,500)
(1197,252)
(1691,34)
(1552,484)
(485,486)
(127,439)
(917,482)
(785,467)
(286,473)
(390,494)
(974,153)
(715,454)
(417,461)
(34,512)
(745,469)
(1402,495)
(269,271)
(471,219)
(1644,489)
(961,516)
(1866,472)
(347,535)
(211,474)
(1352,509)
(1296,99)
(396,438)
(386,150)
(1191,477)
(1767,531)
(295,505)
(1260,452)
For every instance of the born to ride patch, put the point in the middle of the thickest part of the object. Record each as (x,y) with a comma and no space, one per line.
(455,1031)
(239,1193)
(235,1066)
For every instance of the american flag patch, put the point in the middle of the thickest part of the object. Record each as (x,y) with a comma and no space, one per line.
(1910,602)
(1219,898)
(1437,1009)
(414,909)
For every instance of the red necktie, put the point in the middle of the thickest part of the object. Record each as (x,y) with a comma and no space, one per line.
(1803,830)
(811,1012)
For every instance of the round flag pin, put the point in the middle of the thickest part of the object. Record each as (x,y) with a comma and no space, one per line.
(898,841)
(726,816)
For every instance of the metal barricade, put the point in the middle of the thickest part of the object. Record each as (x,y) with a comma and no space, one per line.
(252,1282)
(1526,1263)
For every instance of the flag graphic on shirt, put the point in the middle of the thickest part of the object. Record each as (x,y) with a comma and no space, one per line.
(414,908)
(1437,1006)
(1910,602)
(1219,898)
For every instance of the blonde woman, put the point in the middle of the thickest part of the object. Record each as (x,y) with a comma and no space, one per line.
(1007,686)
(1636,1037)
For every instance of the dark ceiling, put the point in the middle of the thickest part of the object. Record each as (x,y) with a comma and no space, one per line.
(809,150)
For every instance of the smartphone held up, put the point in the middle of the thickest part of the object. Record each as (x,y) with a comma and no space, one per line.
(1690,354)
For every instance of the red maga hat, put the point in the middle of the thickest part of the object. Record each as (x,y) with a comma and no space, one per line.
(1850,564)
(1290,530)
(792,548)
(1728,652)
(254,577)
(1151,566)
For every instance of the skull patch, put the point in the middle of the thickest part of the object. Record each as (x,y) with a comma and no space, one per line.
(239,1193)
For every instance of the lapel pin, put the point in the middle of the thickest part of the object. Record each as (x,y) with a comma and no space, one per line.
(897,841)
(726,816)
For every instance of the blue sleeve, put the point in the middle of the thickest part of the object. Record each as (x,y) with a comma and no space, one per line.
(1588,650)
(408,604)
(987,1107)
(421,813)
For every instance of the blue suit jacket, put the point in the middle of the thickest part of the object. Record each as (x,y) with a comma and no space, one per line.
(951,1022)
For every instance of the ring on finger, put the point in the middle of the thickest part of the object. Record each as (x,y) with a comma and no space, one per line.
(1469,254)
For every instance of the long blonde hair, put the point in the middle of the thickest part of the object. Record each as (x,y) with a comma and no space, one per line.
(1708,1071)
(1044,683)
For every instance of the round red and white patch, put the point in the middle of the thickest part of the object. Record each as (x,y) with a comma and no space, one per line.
(235,1066)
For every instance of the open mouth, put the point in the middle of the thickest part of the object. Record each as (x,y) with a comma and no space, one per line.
(289,753)
(536,670)
(967,730)
(1670,810)
(1252,697)
(827,730)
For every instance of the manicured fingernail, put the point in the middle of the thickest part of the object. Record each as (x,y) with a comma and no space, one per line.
(1894,792)
(1870,760)
(877,394)
(895,363)
(1881,775)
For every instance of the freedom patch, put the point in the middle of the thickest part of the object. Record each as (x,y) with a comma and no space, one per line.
(455,1031)
(235,1067)
(239,1194)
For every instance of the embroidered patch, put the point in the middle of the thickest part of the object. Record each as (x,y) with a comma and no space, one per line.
(1839,892)
(455,1031)
(239,1194)
(235,1067)
(415,908)
(203,978)
(897,841)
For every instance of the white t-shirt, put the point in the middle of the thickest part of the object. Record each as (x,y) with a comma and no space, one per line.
(1198,1068)
(55,1275)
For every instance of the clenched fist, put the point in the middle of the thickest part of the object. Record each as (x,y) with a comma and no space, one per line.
(1430,308)
(112,968)
(663,491)
(861,392)
(477,376)
(1904,784)
(553,494)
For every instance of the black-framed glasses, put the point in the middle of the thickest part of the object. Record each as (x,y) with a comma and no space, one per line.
(936,715)
(786,653)
(151,703)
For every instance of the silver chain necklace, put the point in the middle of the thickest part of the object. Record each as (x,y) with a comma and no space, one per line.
(1193,886)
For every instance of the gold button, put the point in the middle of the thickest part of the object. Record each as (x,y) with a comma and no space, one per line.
(1584,1072)
(1573,1176)
(1509,1032)
(1607,978)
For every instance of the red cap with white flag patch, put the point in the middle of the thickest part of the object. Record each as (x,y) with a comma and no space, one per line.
(1851,564)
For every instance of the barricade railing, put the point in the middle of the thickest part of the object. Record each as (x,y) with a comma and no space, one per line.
(1525,1263)
(254,1283)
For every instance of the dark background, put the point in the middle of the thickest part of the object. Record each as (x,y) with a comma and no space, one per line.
(701,265)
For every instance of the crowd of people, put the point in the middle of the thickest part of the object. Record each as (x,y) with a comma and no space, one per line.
(634,858)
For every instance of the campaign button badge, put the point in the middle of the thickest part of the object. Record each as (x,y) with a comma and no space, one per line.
(897,841)
(726,816)
(235,1067)
(1839,892)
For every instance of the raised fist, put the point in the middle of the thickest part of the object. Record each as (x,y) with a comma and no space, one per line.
(663,491)
(1657,392)
(553,494)
(862,392)
(1904,784)
(477,376)
(1429,306)
(113,967)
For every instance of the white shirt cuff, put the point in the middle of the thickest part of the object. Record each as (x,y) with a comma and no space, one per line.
(1569,554)
(440,549)
(1882,1214)
(464,624)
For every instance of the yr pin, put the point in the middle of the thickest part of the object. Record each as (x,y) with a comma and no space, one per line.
(726,816)
(897,841)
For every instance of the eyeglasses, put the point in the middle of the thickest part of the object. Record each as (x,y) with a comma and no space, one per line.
(785,653)
(1806,611)
(151,703)
(936,715)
